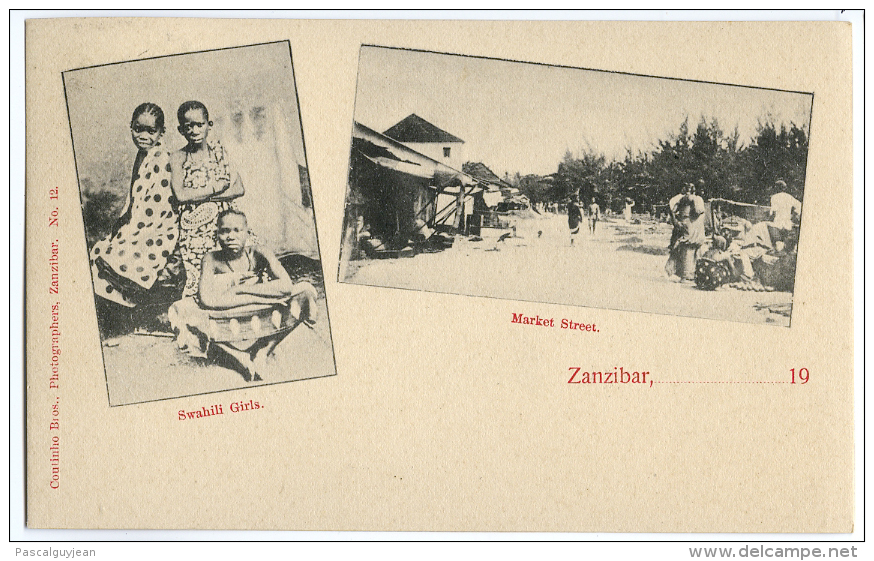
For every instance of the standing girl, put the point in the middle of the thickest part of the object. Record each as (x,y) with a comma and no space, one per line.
(204,185)
(126,264)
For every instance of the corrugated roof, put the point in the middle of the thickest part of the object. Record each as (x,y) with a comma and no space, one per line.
(480,171)
(417,129)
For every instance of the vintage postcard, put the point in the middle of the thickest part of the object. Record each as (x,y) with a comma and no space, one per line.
(581,276)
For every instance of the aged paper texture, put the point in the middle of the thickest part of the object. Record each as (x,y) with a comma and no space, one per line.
(444,414)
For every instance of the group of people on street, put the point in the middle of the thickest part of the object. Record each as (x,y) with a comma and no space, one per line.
(725,256)
(733,251)
(183,240)
(575,217)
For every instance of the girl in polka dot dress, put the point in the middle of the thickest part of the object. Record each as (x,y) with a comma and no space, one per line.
(126,264)
(203,185)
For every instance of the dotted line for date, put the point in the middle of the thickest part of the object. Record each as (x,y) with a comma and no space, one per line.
(695,382)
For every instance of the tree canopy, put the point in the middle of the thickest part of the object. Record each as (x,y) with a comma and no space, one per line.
(744,172)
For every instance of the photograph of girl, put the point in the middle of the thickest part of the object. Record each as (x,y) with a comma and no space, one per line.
(204,259)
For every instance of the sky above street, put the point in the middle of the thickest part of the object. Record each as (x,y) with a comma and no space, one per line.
(524,117)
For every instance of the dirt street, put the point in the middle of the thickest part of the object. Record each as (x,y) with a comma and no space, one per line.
(621,267)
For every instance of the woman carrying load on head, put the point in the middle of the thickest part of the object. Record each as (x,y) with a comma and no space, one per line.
(689,221)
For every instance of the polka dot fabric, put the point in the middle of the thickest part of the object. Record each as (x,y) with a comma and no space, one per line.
(709,275)
(138,249)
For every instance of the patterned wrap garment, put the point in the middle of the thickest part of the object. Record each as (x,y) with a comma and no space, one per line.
(126,264)
(198,220)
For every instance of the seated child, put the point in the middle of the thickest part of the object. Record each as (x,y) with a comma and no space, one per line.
(248,303)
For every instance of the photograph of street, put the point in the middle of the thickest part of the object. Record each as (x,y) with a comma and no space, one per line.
(539,183)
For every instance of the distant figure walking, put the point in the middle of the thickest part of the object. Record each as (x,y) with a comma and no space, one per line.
(628,204)
(594,212)
(574,217)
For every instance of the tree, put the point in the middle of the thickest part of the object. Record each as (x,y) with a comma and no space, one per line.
(728,168)
(538,189)
(583,176)
(671,164)
(776,155)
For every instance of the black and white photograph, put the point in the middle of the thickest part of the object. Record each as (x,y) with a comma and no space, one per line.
(603,189)
(199,223)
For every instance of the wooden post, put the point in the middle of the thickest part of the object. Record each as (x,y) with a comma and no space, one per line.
(459,208)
